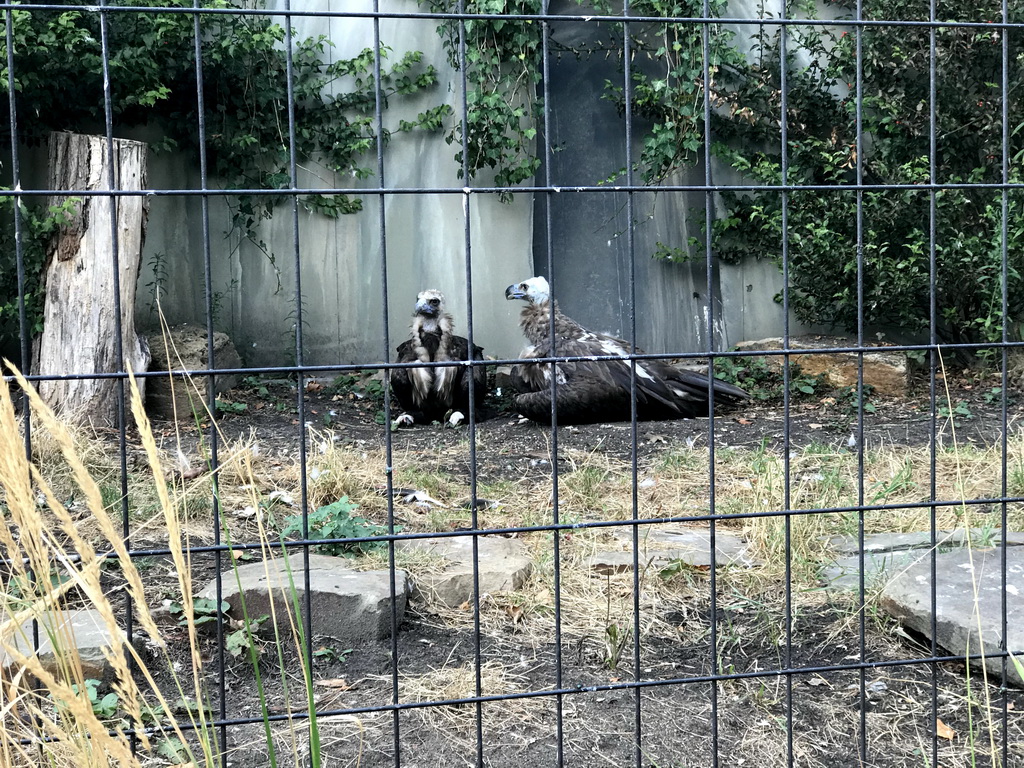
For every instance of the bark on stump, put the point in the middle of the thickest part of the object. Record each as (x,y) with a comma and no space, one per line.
(80,324)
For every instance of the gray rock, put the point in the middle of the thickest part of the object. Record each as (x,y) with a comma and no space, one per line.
(188,351)
(967,598)
(887,555)
(879,567)
(349,605)
(504,564)
(884,370)
(89,636)
(893,542)
(662,545)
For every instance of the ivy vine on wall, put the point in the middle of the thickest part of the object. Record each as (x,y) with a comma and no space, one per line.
(502,70)
(58,79)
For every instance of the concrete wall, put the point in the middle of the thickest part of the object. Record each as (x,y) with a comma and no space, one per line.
(340,262)
(676,307)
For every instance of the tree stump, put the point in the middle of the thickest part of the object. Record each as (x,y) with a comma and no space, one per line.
(80,325)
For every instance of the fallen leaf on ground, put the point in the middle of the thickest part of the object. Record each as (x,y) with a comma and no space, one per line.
(515,613)
(943,731)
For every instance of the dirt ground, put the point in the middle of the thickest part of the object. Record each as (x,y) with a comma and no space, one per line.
(818,715)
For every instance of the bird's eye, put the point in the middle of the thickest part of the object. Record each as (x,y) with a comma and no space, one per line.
(435,302)
(523,286)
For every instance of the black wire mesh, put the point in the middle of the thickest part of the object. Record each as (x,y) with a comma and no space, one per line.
(721,719)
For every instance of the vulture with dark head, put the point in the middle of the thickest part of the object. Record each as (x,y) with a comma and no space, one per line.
(436,393)
(593,391)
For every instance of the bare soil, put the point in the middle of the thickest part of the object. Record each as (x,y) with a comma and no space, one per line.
(878,716)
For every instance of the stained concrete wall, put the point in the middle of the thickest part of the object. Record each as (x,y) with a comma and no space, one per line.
(341,260)
(677,308)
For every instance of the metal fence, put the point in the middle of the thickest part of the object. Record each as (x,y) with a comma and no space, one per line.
(829,694)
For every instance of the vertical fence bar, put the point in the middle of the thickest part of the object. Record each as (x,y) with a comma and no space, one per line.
(786,375)
(389,475)
(709,207)
(548,191)
(627,93)
(1004,202)
(300,372)
(19,245)
(859,166)
(467,245)
(933,363)
(211,392)
(112,184)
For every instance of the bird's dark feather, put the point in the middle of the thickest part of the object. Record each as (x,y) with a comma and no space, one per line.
(592,391)
(434,404)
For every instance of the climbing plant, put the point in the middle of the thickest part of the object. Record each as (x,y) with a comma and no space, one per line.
(745,94)
(669,79)
(58,79)
(896,108)
(502,69)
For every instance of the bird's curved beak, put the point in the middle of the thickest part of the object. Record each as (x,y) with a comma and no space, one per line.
(424,308)
(513,292)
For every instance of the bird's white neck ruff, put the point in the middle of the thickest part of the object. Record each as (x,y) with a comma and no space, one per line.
(442,323)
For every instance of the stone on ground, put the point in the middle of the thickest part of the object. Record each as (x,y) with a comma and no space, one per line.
(503,565)
(188,351)
(887,555)
(82,630)
(968,594)
(884,370)
(349,605)
(662,545)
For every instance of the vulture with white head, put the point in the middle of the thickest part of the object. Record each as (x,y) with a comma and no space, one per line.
(596,391)
(436,393)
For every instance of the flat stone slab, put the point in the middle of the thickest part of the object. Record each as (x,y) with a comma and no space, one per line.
(349,605)
(879,567)
(661,545)
(968,597)
(503,564)
(82,630)
(884,370)
(887,555)
(892,542)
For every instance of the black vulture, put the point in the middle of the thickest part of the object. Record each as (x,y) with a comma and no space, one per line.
(596,391)
(436,393)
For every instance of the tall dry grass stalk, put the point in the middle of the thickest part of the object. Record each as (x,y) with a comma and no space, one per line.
(47,716)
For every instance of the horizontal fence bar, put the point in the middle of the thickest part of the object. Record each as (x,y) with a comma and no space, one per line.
(767,21)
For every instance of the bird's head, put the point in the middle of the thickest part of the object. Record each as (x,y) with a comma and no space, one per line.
(535,290)
(430,303)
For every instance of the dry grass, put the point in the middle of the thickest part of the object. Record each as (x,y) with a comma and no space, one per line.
(454,681)
(173,505)
(48,717)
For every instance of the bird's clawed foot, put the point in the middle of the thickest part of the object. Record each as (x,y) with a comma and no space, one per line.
(456,418)
(404,420)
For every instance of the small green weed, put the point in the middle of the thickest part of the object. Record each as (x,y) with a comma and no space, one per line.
(104,707)
(763,381)
(329,653)
(255,383)
(241,640)
(853,403)
(995,395)
(204,608)
(230,406)
(336,521)
(957,412)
